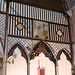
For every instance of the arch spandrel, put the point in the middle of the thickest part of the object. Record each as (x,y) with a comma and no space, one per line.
(42,47)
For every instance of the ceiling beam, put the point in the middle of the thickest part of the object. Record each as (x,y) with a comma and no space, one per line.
(53,5)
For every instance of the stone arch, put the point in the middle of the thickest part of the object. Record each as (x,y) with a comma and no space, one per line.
(42,47)
(68,55)
(24,53)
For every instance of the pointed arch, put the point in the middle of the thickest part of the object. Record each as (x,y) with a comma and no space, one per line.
(42,47)
(2,46)
(24,53)
(67,55)
(1,52)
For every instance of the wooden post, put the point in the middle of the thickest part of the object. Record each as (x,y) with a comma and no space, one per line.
(71,45)
(1,60)
(6,39)
(28,67)
(56,68)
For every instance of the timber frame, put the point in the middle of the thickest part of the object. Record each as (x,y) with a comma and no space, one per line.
(16,18)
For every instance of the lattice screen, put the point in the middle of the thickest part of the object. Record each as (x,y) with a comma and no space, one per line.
(55,47)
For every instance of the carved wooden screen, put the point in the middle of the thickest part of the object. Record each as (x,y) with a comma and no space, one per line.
(21,27)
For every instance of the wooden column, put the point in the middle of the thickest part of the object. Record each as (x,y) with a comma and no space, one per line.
(6,39)
(56,68)
(72,39)
(1,60)
(28,67)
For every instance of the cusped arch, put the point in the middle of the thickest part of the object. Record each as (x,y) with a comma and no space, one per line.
(67,55)
(42,47)
(24,53)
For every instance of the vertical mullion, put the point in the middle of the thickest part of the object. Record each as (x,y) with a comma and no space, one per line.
(22,19)
(29,11)
(36,13)
(0,5)
(25,10)
(48,15)
(10,25)
(29,28)
(13,7)
(15,21)
(32,28)
(27,21)
(17,18)
(15,26)
(49,31)
(23,25)
(25,28)
(55,34)
(54,31)
(68,33)
(40,13)
(10,22)
(44,15)
(3,5)
(64,32)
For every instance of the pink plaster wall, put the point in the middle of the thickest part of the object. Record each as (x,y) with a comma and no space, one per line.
(19,67)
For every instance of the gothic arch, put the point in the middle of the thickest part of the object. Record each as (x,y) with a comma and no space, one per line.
(24,53)
(42,47)
(67,55)
(2,46)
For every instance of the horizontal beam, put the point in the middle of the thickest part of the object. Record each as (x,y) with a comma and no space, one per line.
(32,38)
(2,12)
(37,20)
